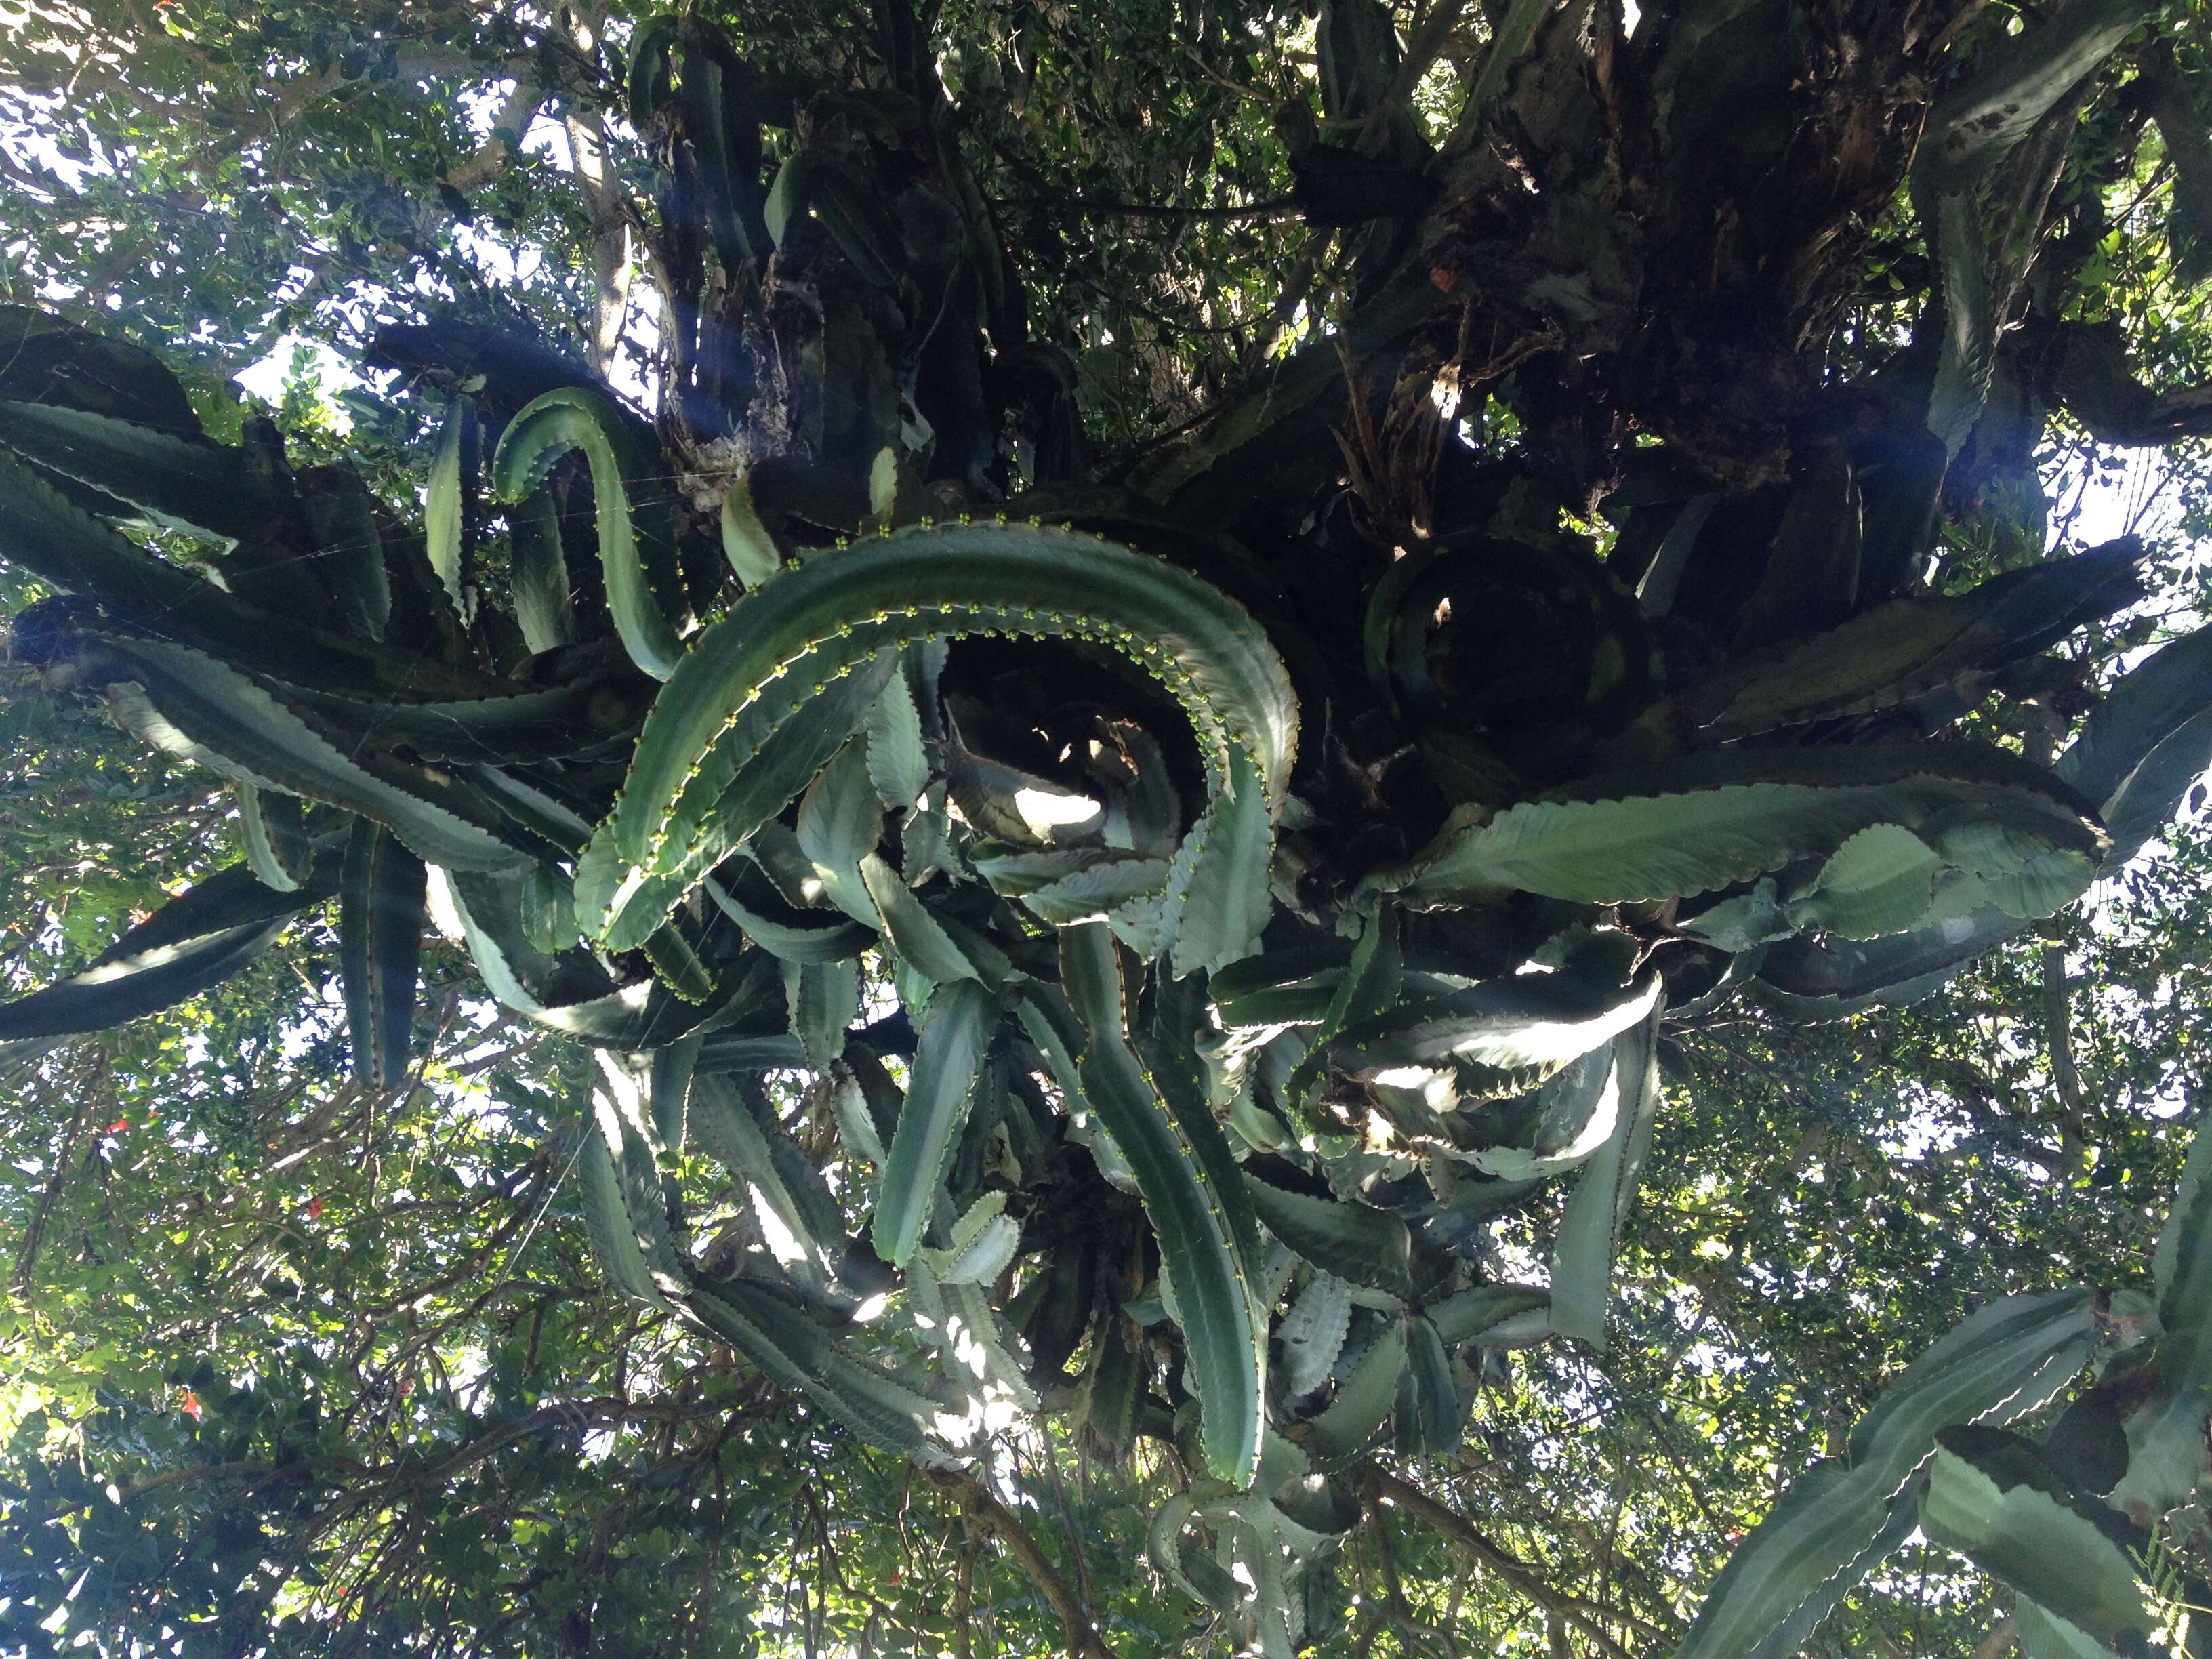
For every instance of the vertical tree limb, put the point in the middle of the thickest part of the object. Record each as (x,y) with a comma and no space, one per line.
(2065,1075)
(981,1507)
(88,1105)
(1584,1616)
(611,267)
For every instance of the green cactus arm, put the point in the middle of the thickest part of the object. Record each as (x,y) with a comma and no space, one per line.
(784,644)
(798,1354)
(669,1080)
(1713,820)
(637,542)
(570,991)
(840,822)
(1363,1402)
(380,919)
(58,541)
(195,941)
(824,998)
(1907,647)
(2139,753)
(1354,1241)
(538,574)
(1840,1517)
(898,754)
(531,723)
(1993,1499)
(1311,1333)
(1432,1412)
(1466,1316)
(183,483)
(755,907)
(1527,1028)
(606,1223)
(2146,742)
(448,504)
(650,82)
(728,1132)
(954,1035)
(186,702)
(622,904)
(627,1216)
(272,827)
(2168,1456)
(1223,1325)
(1597,1210)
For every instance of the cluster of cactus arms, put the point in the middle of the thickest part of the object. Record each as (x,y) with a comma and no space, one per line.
(2073,1519)
(1271,900)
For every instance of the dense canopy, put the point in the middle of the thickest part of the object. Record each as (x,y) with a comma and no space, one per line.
(1147,828)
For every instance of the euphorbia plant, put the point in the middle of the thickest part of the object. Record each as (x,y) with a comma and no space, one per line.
(1274,893)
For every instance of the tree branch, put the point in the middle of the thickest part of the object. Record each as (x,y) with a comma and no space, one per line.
(2065,1076)
(88,1105)
(2088,374)
(1583,1615)
(980,1504)
(610,261)
(1092,207)
(497,152)
(1998,1641)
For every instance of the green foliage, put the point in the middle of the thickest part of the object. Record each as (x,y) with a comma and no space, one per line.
(1135,944)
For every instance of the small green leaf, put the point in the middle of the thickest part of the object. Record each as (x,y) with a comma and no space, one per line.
(1355,1241)
(899,763)
(962,1015)
(446,515)
(1881,880)
(751,551)
(824,999)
